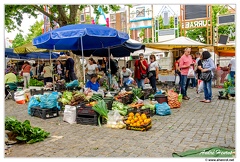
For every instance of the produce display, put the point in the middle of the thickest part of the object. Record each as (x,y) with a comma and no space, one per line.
(137,93)
(174,99)
(138,121)
(101,108)
(72,98)
(24,131)
(120,107)
(35,82)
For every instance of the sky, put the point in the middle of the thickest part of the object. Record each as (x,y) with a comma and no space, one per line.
(27,22)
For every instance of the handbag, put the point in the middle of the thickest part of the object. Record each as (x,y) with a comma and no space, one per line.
(143,76)
(206,76)
(150,74)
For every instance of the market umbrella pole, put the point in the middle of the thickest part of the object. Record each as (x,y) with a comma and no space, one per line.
(109,69)
(83,61)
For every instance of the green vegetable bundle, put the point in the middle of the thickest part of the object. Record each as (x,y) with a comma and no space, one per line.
(137,92)
(25,132)
(120,107)
(35,82)
(101,109)
(96,97)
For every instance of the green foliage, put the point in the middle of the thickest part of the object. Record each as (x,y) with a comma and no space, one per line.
(35,30)
(62,14)
(18,40)
(25,132)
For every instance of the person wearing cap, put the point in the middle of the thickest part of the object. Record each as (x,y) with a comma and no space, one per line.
(70,74)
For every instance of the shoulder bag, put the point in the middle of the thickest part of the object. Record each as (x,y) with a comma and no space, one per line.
(205,76)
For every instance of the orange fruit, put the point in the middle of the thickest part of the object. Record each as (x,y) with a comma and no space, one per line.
(129,118)
(140,120)
(131,114)
(134,124)
(144,117)
(137,114)
(128,121)
(135,119)
(132,121)
(138,124)
(145,121)
(142,123)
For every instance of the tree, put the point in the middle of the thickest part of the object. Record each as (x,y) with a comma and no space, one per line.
(35,30)
(18,40)
(61,14)
(200,34)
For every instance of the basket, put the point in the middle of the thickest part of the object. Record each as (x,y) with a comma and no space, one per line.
(44,113)
(140,128)
(161,98)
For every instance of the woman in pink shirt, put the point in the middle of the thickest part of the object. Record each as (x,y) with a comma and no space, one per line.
(184,63)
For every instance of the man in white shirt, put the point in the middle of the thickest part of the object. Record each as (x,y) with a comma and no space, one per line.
(232,66)
(125,74)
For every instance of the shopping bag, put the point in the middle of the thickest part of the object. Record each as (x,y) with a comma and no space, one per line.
(191,73)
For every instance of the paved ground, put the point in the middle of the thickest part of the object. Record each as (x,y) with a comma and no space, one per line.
(195,125)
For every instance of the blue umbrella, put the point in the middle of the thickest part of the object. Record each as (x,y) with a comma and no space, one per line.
(80,37)
(69,37)
(117,51)
(10,54)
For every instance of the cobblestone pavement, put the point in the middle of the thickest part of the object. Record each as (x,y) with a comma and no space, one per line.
(195,125)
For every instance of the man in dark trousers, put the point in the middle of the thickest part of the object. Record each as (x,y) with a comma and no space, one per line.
(70,74)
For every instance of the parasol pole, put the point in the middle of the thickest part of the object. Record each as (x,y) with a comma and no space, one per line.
(109,69)
(83,61)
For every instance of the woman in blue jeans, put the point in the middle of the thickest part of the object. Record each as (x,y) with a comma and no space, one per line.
(207,65)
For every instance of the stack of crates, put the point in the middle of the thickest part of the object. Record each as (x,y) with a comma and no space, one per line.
(86,115)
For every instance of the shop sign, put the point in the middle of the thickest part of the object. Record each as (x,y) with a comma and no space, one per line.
(196,24)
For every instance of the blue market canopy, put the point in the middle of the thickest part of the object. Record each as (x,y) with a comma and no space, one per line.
(117,51)
(80,37)
(33,55)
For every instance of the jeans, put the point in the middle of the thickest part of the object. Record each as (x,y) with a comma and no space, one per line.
(140,83)
(152,80)
(184,84)
(207,87)
(193,82)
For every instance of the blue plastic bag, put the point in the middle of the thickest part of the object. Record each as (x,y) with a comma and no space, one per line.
(49,100)
(72,84)
(163,109)
(32,103)
(158,93)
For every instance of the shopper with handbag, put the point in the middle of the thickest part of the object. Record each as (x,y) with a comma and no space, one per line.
(153,68)
(140,70)
(206,75)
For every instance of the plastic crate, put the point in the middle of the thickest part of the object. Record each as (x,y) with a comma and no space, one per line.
(44,113)
(147,93)
(87,119)
(36,92)
(109,103)
(82,109)
(60,87)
